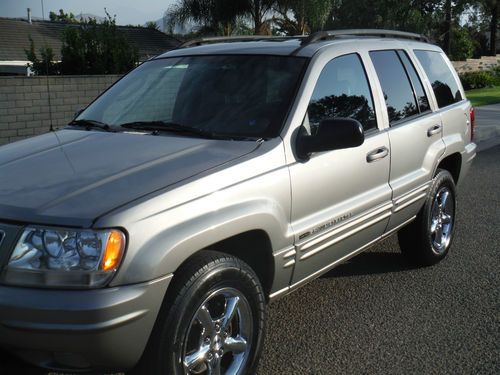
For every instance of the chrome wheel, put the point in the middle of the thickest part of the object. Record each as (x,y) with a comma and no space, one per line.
(442,215)
(219,336)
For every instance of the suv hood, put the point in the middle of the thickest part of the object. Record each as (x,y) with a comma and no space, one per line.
(71,177)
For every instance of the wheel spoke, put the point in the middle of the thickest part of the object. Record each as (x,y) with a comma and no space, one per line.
(446,219)
(439,235)
(434,225)
(214,368)
(231,308)
(235,345)
(205,320)
(444,198)
(197,359)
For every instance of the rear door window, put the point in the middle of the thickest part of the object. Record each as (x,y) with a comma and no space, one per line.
(398,91)
(443,82)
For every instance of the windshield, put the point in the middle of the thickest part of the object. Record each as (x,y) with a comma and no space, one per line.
(228,95)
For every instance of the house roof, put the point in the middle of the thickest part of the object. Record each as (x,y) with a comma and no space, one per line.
(15,33)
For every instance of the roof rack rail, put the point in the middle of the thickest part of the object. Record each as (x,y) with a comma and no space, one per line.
(240,38)
(331,34)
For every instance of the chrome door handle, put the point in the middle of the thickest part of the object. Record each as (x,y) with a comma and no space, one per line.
(377,154)
(434,130)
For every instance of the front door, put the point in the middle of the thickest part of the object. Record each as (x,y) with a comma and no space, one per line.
(341,200)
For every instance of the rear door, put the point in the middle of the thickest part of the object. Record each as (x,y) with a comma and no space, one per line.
(415,132)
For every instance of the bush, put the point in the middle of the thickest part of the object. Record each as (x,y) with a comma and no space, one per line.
(478,80)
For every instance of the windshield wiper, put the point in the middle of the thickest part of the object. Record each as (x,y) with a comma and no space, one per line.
(92,124)
(158,126)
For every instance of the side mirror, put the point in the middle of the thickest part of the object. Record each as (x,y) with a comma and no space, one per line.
(333,134)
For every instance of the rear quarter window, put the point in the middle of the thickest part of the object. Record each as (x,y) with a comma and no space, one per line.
(440,76)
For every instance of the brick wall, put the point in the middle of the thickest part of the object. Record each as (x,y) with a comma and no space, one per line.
(24,102)
(474,65)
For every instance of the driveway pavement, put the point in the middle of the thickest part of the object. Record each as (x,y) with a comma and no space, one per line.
(487,126)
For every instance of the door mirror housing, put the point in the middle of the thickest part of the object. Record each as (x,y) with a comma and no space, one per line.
(332,134)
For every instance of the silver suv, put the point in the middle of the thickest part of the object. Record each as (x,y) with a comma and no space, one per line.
(151,233)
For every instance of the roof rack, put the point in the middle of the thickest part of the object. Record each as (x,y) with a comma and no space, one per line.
(240,38)
(306,40)
(325,35)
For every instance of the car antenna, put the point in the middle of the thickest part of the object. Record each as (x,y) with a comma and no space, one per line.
(47,76)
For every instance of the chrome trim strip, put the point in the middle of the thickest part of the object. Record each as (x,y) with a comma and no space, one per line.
(324,236)
(395,229)
(408,196)
(331,265)
(279,293)
(291,253)
(289,289)
(345,235)
(289,264)
(285,251)
(406,204)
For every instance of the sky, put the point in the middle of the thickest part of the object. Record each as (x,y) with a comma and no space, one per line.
(134,12)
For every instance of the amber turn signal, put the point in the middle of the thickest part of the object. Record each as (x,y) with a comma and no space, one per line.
(114,251)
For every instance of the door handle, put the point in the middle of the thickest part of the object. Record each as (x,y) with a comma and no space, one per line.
(377,154)
(434,130)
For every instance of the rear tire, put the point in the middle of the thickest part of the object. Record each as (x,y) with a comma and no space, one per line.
(212,321)
(427,240)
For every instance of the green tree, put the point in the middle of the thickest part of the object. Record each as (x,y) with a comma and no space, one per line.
(44,65)
(221,17)
(299,17)
(461,44)
(217,17)
(260,12)
(62,17)
(96,48)
(152,25)
(489,12)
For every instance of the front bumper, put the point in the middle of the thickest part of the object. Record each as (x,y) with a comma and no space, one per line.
(77,330)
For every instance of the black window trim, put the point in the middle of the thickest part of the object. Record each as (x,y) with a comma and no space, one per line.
(369,132)
(399,52)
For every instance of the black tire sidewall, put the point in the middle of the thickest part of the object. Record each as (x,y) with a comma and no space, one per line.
(443,179)
(227,272)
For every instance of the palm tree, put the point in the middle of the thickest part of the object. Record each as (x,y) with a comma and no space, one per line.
(213,16)
(300,17)
(259,11)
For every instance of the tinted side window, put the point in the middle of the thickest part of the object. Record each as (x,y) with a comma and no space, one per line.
(342,90)
(423,102)
(442,80)
(397,89)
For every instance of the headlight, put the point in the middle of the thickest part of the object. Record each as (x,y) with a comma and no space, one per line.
(54,257)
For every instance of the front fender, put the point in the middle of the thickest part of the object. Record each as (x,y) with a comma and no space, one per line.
(165,250)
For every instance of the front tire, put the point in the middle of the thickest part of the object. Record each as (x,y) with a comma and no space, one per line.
(427,240)
(212,323)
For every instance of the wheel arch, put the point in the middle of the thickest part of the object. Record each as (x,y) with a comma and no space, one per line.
(253,247)
(453,164)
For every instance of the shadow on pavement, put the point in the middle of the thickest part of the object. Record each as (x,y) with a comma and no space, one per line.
(371,263)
